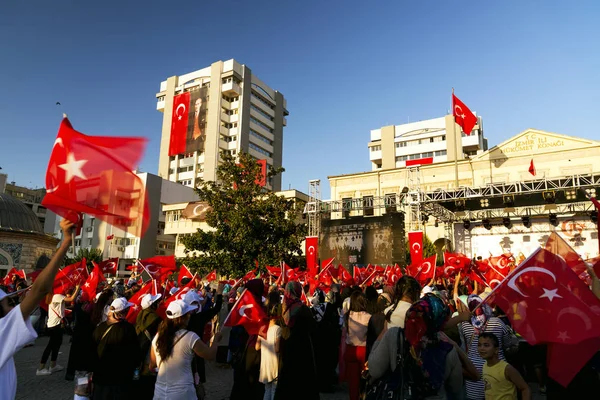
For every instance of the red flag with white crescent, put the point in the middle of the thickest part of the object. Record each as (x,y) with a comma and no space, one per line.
(179,123)
(248,313)
(426,270)
(415,243)
(109,266)
(312,255)
(462,115)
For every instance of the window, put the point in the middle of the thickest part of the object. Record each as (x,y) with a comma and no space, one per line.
(257,122)
(390,202)
(261,137)
(367,205)
(89,242)
(376,148)
(414,156)
(440,153)
(401,158)
(77,242)
(255,95)
(185,182)
(185,169)
(428,154)
(346,207)
(431,140)
(260,150)
(161,98)
(261,112)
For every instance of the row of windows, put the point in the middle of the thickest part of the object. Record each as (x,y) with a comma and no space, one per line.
(376,148)
(260,150)
(421,141)
(229,112)
(231,99)
(418,156)
(232,152)
(165,245)
(257,122)
(229,125)
(258,97)
(230,79)
(261,112)
(185,182)
(173,216)
(229,139)
(261,137)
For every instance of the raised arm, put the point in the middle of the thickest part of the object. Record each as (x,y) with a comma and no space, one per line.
(43,283)
(206,352)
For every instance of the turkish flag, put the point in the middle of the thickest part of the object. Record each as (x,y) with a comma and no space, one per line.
(342,274)
(249,276)
(70,276)
(311,250)
(501,263)
(275,271)
(493,277)
(184,272)
(158,267)
(463,116)
(249,314)
(109,266)
(91,284)
(179,123)
(559,246)
(211,276)
(532,168)
(136,299)
(566,360)
(454,263)
(546,302)
(93,175)
(426,270)
(284,276)
(415,243)
(13,272)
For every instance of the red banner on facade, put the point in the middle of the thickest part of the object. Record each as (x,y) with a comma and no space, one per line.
(420,161)
(312,254)
(179,123)
(415,242)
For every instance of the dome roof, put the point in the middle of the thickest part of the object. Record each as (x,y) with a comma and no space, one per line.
(16,216)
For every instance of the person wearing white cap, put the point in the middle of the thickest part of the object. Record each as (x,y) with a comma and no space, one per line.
(15,326)
(173,350)
(118,354)
(146,327)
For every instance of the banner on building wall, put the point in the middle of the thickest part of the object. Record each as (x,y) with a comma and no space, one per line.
(263,173)
(196,211)
(188,123)
(415,243)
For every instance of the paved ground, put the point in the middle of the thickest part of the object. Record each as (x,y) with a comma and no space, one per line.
(55,387)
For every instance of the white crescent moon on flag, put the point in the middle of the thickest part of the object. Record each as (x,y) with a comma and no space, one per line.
(512,284)
(202,208)
(177,109)
(60,142)
(459,112)
(311,250)
(243,310)
(446,269)
(578,313)
(428,267)
(418,247)
(495,280)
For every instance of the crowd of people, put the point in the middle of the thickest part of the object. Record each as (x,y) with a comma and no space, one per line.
(424,342)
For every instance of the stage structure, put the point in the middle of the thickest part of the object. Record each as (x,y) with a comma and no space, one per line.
(493,209)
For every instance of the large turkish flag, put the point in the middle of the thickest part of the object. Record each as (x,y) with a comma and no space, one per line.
(415,241)
(179,123)
(312,255)
(93,175)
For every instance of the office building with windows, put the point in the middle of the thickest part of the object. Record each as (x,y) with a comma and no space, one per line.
(223,107)
(423,142)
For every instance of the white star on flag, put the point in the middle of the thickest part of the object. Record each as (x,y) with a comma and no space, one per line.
(550,294)
(563,336)
(73,168)
(87,285)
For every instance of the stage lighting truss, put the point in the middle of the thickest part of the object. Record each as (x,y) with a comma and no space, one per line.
(508,200)
(549,197)
(507,222)
(487,224)
(526,221)
(485,203)
(590,192)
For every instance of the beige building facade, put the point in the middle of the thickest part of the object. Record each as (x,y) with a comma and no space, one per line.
(497,203)
(240,113)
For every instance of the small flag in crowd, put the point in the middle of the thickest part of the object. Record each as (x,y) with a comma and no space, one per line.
(249,314)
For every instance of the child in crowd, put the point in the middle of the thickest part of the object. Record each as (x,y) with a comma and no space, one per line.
(501,379)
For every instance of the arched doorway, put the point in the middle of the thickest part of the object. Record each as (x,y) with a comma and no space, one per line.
(6,263)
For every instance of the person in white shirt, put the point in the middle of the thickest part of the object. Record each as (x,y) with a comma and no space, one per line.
(269,348)
(15,326)
(173,349)
(407,291)
(56,313)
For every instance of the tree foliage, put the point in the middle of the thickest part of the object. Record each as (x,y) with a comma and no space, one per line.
(89,255)
(428,250)
(247,223)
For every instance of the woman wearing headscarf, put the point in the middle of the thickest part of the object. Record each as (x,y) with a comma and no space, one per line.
(246,364)
(435,362)
(481,321)
(298,373)
(385,299)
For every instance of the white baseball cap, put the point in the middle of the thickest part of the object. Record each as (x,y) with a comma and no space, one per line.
(148,299)
(179,308)
(192,296)
(119,304)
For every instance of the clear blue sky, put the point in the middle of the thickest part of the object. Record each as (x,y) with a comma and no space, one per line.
(345,67)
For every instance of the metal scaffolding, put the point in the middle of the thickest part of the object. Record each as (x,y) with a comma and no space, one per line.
(313,207)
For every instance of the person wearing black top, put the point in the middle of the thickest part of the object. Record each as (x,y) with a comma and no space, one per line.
(146,326)
(117,354)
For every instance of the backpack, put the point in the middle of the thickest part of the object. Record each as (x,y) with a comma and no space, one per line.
(406,382)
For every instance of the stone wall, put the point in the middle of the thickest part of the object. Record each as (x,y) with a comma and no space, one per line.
(24,249)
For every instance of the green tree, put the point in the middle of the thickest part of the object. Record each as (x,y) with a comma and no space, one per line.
(89,255)
(247,223)
(428,250)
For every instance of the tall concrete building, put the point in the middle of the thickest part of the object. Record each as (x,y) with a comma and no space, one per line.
(223,107)
(423,142)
